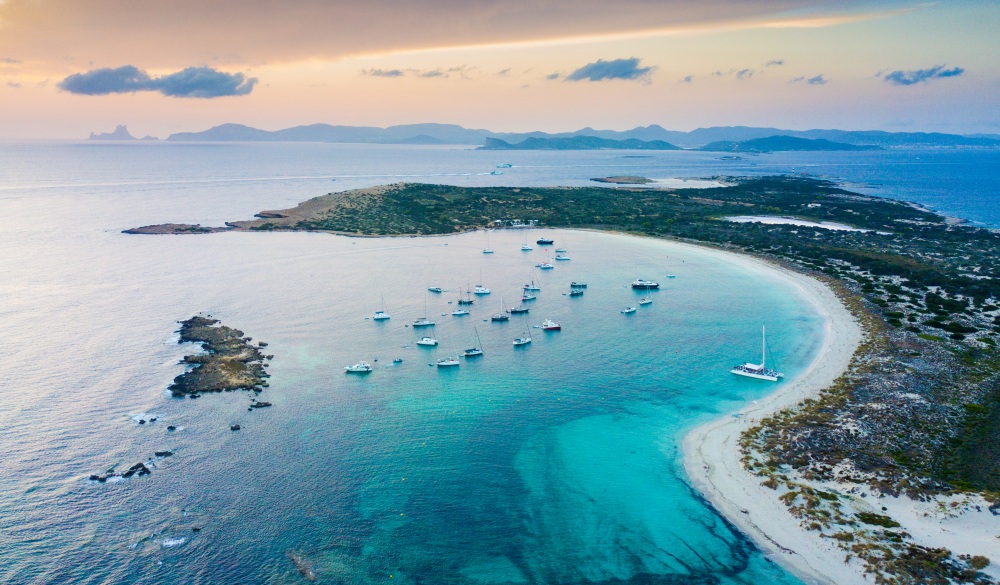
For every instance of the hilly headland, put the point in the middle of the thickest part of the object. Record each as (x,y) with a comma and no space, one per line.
(913,415)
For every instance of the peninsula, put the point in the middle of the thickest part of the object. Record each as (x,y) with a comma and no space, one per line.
(878,464)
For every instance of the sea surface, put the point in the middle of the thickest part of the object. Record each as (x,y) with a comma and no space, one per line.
(554,463)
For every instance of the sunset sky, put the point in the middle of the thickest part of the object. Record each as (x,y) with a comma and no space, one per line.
(69,67)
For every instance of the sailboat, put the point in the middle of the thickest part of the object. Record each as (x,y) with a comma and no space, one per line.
(487,249)
(381,315)
(646,300)
(480,289)
(465,299)
(476,350)
(759,371)
(525,247)
(502,316)
(423,321)
(525,338)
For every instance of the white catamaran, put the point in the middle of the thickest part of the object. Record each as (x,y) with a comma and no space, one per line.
(759,371)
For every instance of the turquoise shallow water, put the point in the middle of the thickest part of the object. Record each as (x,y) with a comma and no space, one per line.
(555,463)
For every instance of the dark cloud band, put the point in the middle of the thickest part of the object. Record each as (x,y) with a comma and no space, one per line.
(194,82)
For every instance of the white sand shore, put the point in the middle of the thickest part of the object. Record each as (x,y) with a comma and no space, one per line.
(712,455)
(960,523)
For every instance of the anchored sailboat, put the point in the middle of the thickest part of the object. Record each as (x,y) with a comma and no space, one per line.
(759,371)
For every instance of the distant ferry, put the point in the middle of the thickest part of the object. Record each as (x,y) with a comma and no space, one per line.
(645,284)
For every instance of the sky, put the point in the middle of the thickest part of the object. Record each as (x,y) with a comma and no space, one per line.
(69,67)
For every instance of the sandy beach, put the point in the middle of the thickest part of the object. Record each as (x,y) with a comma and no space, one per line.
(961,523)
(712,456)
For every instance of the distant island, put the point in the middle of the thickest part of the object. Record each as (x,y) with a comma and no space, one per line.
(452,134)
(120,133)
(783,144)
(578,143)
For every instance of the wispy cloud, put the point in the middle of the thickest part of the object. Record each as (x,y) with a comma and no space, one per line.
(14,84)
(686,79)
(915,76)
(194,82)
(382,72)
(815,80)
(9,61)
(553,76)
(602,70)
(444,73)
(774,63)
(745,73)
(504,72)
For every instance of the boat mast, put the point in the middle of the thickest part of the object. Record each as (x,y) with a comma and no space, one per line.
(763,345)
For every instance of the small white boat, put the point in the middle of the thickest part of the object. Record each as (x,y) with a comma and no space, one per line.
(550,325)
(545,266)
(427,341)
(518,310)
(381,315)
(560,250)
(459,312)
(480,290)
(435,289)
(487,249)
(645,301)
(532,287)
(526,248)
(522,340)
(758,371)
(397,361)
(561,257)
(448,362)
(496,172)
(528,297)
(628,310)
(504,166)
(361,367)
(576,292)
(423,322)
(671,276)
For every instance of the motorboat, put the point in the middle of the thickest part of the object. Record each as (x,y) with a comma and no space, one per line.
(459,312)
(480,290)
(545,266)
(628,310)
(576,292)
(645,284)
(435,289)
(361,367)
(427,341)
(550,325)
(576,284)
(561,258)
(544,242)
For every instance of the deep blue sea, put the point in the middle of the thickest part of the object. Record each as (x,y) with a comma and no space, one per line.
(553,463)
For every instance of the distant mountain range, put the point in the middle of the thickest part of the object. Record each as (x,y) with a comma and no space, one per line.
(578,143)
(451,134)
